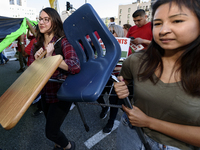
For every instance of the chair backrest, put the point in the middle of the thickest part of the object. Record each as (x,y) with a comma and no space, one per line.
(88,85)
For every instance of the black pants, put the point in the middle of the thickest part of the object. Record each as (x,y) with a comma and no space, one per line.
(113,99)
(55,114)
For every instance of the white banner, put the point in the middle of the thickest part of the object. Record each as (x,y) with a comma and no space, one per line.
(124,44)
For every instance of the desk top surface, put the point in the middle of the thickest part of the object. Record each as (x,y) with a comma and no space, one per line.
(19,96)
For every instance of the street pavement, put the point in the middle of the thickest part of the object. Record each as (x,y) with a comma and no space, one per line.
(29,132)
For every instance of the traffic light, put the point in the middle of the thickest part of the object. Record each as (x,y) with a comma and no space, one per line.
(68,6)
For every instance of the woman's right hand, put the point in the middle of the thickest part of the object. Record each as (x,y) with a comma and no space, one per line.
(38,53)
(121,88)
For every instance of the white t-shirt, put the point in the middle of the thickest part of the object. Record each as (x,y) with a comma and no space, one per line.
(111,23)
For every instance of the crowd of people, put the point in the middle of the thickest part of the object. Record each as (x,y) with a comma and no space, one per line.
(164,77)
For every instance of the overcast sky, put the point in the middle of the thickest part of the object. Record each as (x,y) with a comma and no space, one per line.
(104,8)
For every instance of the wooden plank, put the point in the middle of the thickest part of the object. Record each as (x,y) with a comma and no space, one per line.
(19,96)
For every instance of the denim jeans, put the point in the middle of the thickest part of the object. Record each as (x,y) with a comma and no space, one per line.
(2,57)
(128,139)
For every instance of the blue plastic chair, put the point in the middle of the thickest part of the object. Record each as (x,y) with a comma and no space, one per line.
(88,85)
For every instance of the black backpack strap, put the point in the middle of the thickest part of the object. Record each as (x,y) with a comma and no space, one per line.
(58,48)
(58,51)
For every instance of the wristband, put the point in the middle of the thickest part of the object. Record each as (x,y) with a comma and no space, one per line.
(21,43)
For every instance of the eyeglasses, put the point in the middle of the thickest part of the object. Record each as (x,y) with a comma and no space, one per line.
(112,31)
(45,20)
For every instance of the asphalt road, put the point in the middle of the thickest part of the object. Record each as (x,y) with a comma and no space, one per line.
(28,134)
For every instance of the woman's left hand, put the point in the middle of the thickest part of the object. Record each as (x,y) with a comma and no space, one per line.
(136,116)
(49,49)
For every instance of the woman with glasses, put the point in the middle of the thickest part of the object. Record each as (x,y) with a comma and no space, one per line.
(55,111)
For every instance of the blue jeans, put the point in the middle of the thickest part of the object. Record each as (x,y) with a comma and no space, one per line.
(128,139)
(2,57)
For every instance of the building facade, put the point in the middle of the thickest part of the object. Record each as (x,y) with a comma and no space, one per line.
(125,11)
(17,9)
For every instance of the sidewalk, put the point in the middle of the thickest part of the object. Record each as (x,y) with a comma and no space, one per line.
(8,75)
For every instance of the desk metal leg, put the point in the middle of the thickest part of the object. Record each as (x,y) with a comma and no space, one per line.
(82,116)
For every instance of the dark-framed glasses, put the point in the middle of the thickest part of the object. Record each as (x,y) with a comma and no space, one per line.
(45,20)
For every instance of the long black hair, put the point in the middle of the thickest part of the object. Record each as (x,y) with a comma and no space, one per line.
(56,27)
(189,60)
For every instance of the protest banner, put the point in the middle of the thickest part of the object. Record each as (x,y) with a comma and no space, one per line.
(124,44)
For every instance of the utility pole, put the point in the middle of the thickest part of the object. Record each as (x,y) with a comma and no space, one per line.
(85,1)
